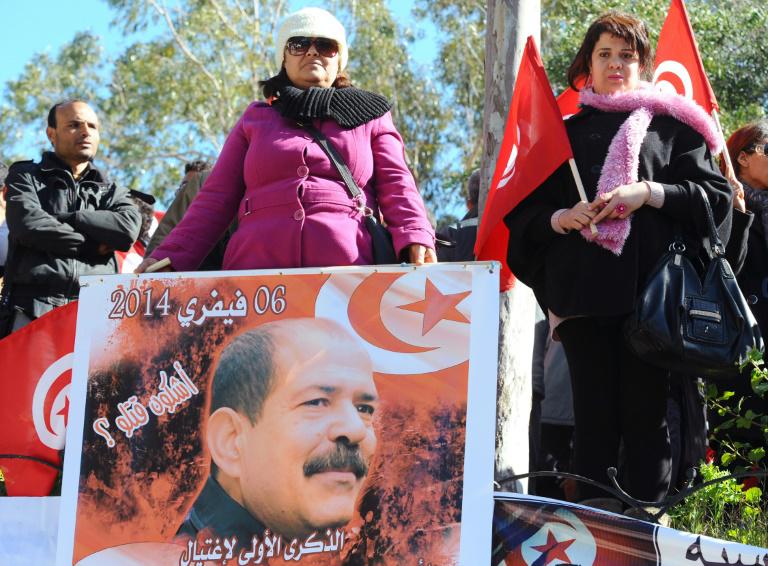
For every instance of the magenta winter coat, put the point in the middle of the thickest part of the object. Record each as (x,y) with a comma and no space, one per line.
(291,205)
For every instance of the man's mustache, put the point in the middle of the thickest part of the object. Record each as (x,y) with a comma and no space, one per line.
(342,458)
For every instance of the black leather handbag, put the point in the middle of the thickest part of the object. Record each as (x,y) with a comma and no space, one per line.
(694,326)
(381,239)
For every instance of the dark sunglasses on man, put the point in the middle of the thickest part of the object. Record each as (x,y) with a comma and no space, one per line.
(299,45)
(762,149)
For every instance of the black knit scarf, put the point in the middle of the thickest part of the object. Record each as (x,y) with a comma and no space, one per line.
(757,202)
(349,107)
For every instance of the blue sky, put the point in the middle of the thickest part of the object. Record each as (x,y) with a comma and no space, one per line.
(34,26)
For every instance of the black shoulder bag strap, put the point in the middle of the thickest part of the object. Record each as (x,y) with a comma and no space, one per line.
(383,250)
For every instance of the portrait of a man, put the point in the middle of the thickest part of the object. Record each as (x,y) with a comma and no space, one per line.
(290,432)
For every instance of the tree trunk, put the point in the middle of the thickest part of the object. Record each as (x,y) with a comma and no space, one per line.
(510,22)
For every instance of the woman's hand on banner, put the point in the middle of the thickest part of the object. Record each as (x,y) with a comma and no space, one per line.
(146,266)
(420,255)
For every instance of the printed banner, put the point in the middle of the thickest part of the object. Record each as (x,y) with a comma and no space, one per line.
(326,416)
(535,531)
(28,530)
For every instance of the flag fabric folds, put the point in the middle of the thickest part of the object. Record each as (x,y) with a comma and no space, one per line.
(678,66)
(568,100)
(34,401)
(535,143)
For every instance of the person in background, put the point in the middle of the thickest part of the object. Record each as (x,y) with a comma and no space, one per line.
(461,237)
(551,415)
(291,205)
(195,174)
(65,219)
(748,148)
(128,261)
(589,284)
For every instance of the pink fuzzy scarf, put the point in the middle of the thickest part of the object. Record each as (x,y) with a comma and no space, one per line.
(622,162)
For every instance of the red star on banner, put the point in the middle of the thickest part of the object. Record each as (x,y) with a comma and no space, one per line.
(436,307)
(554,550)
(65,410)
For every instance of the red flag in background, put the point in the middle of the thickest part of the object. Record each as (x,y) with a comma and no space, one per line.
(534,145)
(678,64)
(568,102)
(34,400)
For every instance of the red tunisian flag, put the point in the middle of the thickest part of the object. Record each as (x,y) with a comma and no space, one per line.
(568,101)
(34,400)
(678,64)
(534,145)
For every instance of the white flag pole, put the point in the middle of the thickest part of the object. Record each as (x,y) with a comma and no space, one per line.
(726,154)
(580,188)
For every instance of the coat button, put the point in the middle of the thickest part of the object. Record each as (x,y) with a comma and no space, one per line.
(752,299)
(595,136)
(596,169)
(302,171)
(298,215)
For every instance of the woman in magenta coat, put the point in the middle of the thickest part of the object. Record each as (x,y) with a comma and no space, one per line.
(291,204)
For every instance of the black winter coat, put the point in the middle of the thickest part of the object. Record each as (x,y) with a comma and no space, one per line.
(753,278)
(56,225)
(571,276)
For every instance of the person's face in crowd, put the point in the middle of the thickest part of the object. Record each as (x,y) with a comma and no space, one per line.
(753,166)
(75,138)
(614,65)
(311,61)
(307,455)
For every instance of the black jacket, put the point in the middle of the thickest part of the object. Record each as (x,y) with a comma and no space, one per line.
(753,277)
(216,512)
(56,225)
(571,276)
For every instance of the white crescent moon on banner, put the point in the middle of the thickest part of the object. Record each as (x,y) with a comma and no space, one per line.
(51,427)
(371,307)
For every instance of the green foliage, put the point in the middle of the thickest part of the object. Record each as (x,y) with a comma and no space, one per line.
(459,69)
(380,63)
(175,97)
(742,431)
(724,510)
(730,509)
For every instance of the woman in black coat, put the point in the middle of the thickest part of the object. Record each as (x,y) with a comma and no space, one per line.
(643,156)
(748,147)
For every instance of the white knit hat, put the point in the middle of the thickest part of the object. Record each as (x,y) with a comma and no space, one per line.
(311,22)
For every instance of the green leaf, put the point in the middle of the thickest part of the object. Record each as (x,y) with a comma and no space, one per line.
(753,495)
(757,454)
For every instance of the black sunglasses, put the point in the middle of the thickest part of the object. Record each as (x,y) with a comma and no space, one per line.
(300,44)
(755,148)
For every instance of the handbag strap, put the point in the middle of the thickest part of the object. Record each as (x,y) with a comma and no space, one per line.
(340,165)
(714,245)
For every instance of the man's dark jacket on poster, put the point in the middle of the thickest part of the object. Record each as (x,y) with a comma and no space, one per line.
(215,511)
(56,225)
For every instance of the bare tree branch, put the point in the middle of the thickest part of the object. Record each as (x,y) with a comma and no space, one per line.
(227,24)
(183,44)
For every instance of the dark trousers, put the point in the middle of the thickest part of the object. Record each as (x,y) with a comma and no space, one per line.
(616,397)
